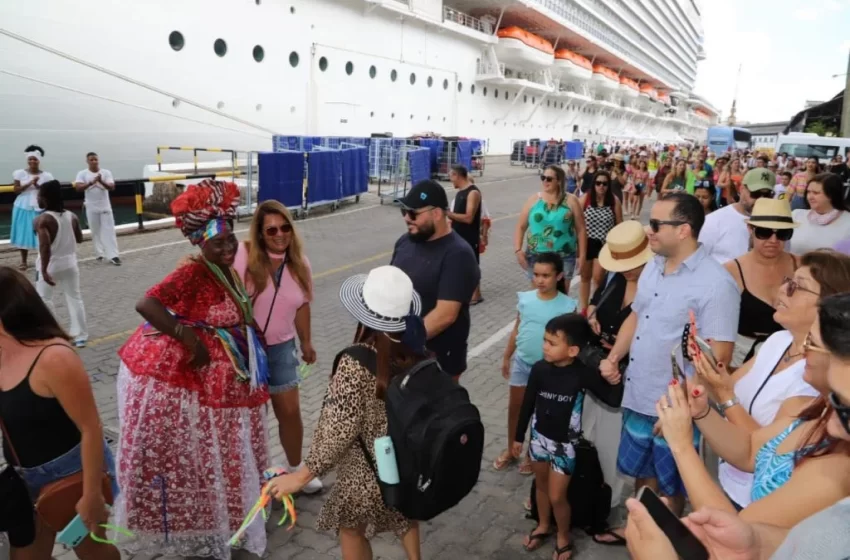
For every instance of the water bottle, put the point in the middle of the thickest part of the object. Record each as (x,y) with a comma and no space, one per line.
(385,457)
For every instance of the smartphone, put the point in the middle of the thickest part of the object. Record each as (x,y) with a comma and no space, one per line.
(74,533)
(687,546)
(705,348)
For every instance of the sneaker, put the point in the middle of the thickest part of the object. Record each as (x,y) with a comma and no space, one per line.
(80,343)
(313,487)
(116,261)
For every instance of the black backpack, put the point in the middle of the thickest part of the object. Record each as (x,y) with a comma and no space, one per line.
(588,494)
(437,436)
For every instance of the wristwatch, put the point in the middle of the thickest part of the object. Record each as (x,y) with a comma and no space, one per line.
(723,407)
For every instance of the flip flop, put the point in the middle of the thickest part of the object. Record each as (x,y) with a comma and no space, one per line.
(525,468)
(22,267)
(536,540)
(563,550)
(477,301)
(618,540)
(504,460)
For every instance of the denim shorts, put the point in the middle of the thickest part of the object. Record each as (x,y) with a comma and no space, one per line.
(283,367)
(520,372)
(569,266)
(63,466)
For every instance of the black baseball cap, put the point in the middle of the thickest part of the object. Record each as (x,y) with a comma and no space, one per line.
(425,193)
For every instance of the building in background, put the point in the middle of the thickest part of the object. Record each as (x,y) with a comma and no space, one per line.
(765,135)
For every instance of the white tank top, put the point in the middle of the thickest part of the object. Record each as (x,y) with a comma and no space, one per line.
(63,249)
(761,394)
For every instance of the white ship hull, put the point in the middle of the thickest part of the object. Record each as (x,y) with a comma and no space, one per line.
(106,79)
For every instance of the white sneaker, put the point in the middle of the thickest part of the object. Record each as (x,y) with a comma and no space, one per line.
(313,487)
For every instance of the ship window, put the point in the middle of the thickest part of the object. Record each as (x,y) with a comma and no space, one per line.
(293,59)
(259,53)
(444,119)
(392,115)
(430,81)
(533,100)
(292,9)
(175,39)
(393,75)
(525,99)
(496,94)
(459,87)
(372,114)
(484,92)
(411,117)
(259,107)
(547,103)
(220,47)
(175,103)
(506,96)
(445,84)
(323,64)
(373,72)
(220,105)
(349,68)
(412,78)
(472,89)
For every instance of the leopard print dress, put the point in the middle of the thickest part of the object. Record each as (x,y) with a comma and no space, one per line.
(351,409)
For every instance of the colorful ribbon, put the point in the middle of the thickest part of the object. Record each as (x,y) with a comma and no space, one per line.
(115,528)
(260,507)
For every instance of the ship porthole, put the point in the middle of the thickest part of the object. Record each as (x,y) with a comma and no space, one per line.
(259,53)
(323,64)
(372,114)
(175,39)
(220,105)
(259,107)
(392,115)
(393,75)
(373,72)
(506,96)
(430,81)
(292,9)
(220,47)
(175,103)
(445,84)
(293,59)
(349,68)
(472,89)
(412,78)
(484,92)
(496,94)
(460,87)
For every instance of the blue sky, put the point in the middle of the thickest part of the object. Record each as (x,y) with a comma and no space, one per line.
(789,50)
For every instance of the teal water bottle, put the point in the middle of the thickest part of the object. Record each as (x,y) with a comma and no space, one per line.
(385,457)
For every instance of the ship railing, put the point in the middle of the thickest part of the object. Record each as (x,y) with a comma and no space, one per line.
(490,69)
(466,20)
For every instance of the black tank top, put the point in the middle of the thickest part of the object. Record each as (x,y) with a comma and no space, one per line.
(39,427)
(756,315)
(471,233)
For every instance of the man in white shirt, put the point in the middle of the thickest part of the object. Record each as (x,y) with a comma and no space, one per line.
(725,234)
(96,184)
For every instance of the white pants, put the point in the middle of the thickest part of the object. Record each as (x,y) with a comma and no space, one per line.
(602,425)
(69,282)
(102,226)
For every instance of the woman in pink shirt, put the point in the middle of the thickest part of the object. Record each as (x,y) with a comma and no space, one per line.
(280,283)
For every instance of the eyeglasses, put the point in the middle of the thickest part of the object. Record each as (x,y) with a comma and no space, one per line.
(547,178)
(274,230)
(791,287)
(809,346)
(841,409)
(764,193)
(413,214)
(655,225)
(766,233)
(602,183)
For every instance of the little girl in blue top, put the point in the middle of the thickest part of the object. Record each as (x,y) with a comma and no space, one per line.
(525,345)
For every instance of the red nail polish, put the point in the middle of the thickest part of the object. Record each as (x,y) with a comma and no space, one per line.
(674,382)
(697,392)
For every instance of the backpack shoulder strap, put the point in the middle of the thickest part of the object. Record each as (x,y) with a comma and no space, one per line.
(360,353)
(417,368)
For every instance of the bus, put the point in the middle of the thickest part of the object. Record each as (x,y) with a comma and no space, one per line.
(722,139)
(803,146)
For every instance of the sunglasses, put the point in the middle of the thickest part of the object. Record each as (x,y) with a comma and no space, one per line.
(764,193)
(766,233)
(547,178)
(602,183)
(655,225)
(413,214)
(841,409)
(274,230)
(791,287)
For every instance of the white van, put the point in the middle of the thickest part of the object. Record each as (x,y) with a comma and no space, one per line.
(803,146)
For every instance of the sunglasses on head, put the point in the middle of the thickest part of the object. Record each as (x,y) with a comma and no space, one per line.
(791,287)
(655,225)
(766,233)
(547,178)
(274,230)
(841,409)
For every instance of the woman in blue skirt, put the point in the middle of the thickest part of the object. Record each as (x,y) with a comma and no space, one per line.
(25,209)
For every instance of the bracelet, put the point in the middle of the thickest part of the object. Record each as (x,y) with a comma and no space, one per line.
(707,412)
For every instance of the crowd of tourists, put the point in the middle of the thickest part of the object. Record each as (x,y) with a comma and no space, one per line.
(705,357)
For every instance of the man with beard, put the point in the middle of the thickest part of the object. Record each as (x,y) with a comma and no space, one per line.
(725,234)
(443,269)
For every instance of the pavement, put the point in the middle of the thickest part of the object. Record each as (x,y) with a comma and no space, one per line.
(487,524)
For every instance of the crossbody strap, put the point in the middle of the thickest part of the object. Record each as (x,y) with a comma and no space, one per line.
(366,455)
(606,293)
(766,379)
(278,277)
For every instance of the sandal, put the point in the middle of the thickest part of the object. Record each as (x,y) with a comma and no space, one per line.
(563,550)
(618,540)
(23,267)
(536,540)
(504,460)
(525,467)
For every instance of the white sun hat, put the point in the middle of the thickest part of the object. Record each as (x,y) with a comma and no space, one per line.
(382,299)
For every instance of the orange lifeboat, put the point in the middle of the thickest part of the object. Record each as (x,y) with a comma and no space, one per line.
(518,47)
(649,91)
(664,97)
(573,65)
(629,87)
(605,78)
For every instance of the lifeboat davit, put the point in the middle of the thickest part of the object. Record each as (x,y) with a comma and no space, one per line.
(573,65)
(519,48)
(664,98)
(605,78)
(629,87)
(647,90)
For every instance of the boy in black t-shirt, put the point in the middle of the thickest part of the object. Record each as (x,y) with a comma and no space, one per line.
(553,405)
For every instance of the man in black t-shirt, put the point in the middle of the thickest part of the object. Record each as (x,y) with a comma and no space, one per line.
(443,269)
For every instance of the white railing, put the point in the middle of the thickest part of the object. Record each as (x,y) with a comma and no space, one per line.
(466,20)
(489,69)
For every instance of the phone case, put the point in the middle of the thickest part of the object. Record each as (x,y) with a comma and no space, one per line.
(74,533)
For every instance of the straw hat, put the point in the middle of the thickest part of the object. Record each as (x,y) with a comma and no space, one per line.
(772,214)
(381,300)
(626,248)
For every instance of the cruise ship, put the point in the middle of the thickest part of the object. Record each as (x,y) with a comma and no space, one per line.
(121,77)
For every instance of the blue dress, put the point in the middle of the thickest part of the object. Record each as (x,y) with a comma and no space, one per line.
(25,210)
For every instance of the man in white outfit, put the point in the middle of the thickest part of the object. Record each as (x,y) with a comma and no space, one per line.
(58,233)
(96,184)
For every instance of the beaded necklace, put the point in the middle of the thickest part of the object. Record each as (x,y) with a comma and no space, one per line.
(237,290)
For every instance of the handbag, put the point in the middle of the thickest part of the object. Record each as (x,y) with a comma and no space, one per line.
(56,504)
(592,355)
